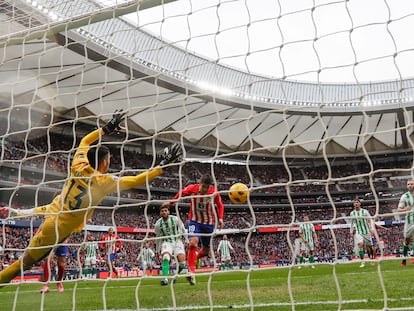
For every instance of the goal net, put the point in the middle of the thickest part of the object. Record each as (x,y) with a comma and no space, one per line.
(307,103)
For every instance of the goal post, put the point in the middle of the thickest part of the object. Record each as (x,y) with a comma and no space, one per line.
(308,105)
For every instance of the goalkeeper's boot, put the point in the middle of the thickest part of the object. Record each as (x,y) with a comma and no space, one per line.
(45,289)
(60,288)
(164,282)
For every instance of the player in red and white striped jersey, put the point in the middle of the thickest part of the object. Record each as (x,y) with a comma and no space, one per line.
(206,210)
(111,244)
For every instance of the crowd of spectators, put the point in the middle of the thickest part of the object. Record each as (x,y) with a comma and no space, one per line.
(252,246)
(47,162)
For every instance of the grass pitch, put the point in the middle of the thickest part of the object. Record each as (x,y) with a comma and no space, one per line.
(344,286)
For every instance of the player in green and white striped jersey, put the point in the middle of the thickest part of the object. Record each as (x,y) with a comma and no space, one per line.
(89,266)
(309,238)
(171,230)
(362,229)
(223,250)
(406,205)
(146,259)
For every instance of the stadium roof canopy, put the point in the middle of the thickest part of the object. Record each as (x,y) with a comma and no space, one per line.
(74,60)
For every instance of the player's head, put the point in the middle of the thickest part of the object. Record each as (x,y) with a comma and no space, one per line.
(164,211)
(205,182)
(99,158)
(410,185)
(110,231)
(357,203)
(224,237)
(306,218)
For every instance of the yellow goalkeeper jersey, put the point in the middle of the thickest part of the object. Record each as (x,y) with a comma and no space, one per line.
(87,187)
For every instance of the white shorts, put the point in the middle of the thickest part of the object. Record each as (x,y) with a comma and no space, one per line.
(363,238)
(408,231)
(225,258)
(307,246)
(147,265)
(90,261)
(173,248)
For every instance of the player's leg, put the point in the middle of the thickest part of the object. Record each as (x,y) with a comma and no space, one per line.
(166,258)
(112,264)
(47,267)
(61,253)
(408,233)
(86,268)
(311,259)
(94,272)
(361,251)
(302,256)
(205,242)
(193,230)
(20,265)
(143,267)
(166,253)
(44,237)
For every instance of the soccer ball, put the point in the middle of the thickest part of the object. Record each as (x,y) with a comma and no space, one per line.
(238,193)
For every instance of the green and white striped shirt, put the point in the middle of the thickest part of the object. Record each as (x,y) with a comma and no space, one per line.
(307,229)
(91,249)
(171,229)
(146,255)
(407,199)
(224,248)
(360,220)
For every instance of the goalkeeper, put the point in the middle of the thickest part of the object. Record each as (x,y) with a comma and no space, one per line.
(86,187)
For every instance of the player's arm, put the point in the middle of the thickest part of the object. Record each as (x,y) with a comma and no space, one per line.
(220,209)
(118,243)
(402,207)
(158,234)
(113,125)
(315,235)
(182,230)
(171,155)
(218,247)
(382,227)
(353,225)
(302,237)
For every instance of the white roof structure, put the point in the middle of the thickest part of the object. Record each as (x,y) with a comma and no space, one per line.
(92,68)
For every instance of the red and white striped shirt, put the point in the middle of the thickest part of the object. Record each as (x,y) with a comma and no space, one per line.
(111,243)
(202,207)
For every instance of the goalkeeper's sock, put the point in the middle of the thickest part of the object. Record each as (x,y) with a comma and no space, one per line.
(361,253)
(46,269)
(192,258)
(311,259)
(10,272)
(165,267)
(405,250)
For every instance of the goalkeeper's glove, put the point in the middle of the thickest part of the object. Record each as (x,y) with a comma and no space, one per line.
(171,154)
(113,124)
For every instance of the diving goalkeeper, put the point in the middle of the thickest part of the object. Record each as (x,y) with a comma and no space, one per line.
(86,187)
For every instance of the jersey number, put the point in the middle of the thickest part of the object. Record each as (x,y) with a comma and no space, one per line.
(78,198)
